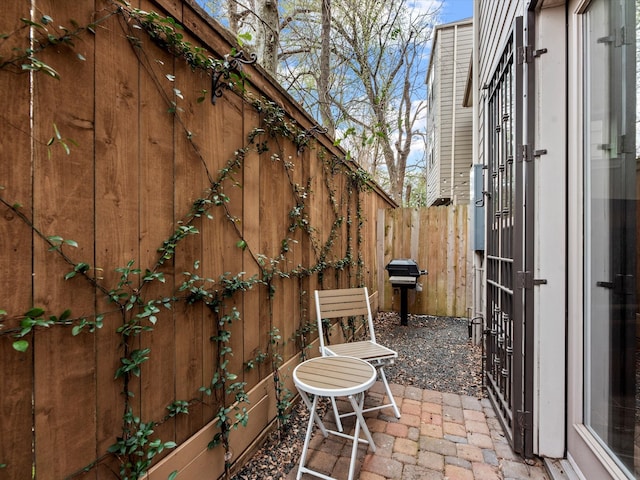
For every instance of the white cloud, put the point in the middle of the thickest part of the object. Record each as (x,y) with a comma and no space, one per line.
(426,6)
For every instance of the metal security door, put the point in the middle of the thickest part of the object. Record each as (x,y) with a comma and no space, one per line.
(507,371)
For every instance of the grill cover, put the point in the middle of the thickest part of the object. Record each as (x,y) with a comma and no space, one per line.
(403,267)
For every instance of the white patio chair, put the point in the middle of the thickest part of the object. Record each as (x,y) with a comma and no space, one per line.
(345,303)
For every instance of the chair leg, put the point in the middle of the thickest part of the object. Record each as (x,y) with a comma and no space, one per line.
(383,377)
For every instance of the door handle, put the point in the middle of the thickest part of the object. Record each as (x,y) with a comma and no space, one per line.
(622,284)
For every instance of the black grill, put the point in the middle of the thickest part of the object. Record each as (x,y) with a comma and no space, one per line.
(403,274)
(404,271)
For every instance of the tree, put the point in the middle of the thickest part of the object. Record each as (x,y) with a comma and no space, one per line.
(259,19)
(370,93)
(359,67)
(267,34)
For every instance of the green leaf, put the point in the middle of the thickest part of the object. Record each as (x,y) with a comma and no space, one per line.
(242,37)
(115,448)
(30,23)
(34,312)
(21,345)
(172,475)
(71,243)
(82,267)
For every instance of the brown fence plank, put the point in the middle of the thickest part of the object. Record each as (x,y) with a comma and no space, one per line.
(117,211)
(64,393)
(208,122)
(15,242)
(253,337)
(442,258)
(232,137)
(190,185)
(156,164)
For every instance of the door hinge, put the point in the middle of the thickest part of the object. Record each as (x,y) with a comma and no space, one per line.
(523,421)
(526,54)
(626,144)
(522,153)
(526,280)
(617,38)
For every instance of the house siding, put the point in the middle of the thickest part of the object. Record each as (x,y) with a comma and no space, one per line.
(449,123)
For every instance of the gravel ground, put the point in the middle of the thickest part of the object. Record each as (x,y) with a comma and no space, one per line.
(434,353)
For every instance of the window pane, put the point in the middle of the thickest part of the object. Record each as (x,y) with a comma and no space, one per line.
(611,245)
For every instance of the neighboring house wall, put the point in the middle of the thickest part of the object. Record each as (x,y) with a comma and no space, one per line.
(493,26)
(449,123)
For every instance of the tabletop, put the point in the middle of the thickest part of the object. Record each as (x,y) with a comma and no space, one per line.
(334,376)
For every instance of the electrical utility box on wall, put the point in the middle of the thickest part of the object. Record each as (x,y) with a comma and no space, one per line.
(477,207)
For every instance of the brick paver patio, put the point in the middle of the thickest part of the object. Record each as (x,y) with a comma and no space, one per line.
(440,436)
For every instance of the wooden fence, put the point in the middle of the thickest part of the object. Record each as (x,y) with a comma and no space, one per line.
(436,238)
(122,194)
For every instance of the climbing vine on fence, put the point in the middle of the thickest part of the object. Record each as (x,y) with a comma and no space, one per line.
(130,299)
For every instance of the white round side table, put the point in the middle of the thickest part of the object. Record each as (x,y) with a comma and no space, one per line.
(334,377)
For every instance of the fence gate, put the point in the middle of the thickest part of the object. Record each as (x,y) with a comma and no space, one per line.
(508,365)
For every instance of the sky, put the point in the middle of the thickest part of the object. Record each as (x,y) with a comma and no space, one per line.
(453,10)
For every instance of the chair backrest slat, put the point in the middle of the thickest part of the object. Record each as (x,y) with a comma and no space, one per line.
(346,302)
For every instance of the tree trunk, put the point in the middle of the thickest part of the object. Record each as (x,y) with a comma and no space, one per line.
(325,61)
(234,16)
(268,35)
